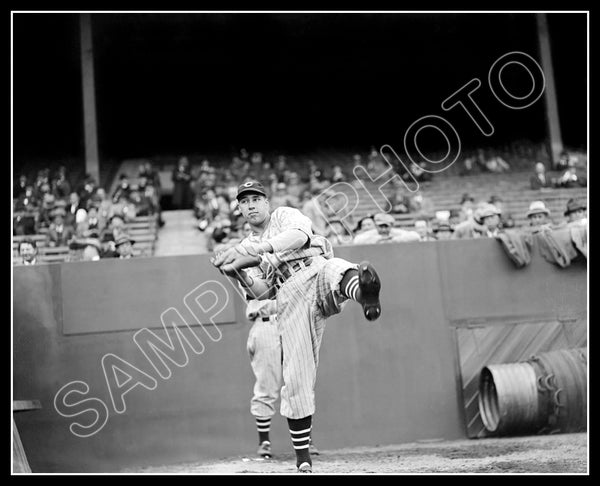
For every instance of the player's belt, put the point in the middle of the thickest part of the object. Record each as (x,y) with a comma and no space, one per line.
(266,318)
(289,269)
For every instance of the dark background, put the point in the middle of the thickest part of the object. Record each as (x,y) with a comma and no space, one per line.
(193,83)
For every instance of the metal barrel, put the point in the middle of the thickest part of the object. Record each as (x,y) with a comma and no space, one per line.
(562,384)
(508,398)
(547,393)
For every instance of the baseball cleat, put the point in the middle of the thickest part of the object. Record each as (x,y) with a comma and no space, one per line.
(369,285)
(264,450)
(305,467)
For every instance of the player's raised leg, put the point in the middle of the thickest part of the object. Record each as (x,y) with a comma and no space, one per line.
(363,286)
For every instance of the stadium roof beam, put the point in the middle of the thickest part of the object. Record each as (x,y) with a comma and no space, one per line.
(89,101)
(552,120)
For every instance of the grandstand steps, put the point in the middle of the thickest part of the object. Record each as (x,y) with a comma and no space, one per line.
(180,235)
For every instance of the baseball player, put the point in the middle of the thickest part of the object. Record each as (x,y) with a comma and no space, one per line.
(310,285)
(264,348)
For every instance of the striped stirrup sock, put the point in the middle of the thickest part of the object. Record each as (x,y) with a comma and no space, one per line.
(300,433)
(263,426)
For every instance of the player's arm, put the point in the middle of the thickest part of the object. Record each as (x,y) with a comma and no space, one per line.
(256,287)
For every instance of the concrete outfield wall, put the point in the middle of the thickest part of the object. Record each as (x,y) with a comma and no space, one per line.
(391,381)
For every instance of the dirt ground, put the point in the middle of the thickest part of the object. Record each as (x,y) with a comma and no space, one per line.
(544,454)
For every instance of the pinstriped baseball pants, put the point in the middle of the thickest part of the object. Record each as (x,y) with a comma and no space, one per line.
(264,348)
(304,301)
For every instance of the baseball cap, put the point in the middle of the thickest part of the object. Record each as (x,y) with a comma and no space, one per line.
(383,218)
(251,187)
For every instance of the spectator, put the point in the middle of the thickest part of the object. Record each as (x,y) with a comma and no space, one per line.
(422,228)
(124,208)
(72,207)
(497,164)
(104,205)
(471,228)
(563,161)
(142,205)
(576,213)
(86,194)
(337,174)
(48,205)
(538,180)
(116,227)
(384,232)
(419,173)
(442,230)
(96,222)
(400,201)
(181,178)
(60,233)
(246,230)
(365,224)
(20,188)
(91,252)
(27,252)
(295,188)
(123,189)
(506,219)
(124,246)
(467,203)
(570,178)
(422,206)
(538,216)
(338,234)
(281,197)
(316,213)
(489,216)
(148,171)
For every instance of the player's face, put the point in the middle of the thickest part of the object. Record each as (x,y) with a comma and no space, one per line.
(254,208)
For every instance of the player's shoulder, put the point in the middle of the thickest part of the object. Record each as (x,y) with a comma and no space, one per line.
(286,212)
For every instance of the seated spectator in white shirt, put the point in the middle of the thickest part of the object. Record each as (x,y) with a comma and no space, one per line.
(28,252)
(422,228)
(570,178)
(384,232)
(538,216)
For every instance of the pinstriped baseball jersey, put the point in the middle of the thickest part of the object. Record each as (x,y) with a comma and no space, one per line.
(304,301)
(264,348)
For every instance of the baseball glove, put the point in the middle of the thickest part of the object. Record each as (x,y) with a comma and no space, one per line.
(232,260)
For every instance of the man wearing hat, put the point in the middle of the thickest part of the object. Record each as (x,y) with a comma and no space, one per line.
(59,233)
(576,213)
(442,230)
(484,222)
(538,216)
(489,215)
(282,256)
(385,232)
(124,245)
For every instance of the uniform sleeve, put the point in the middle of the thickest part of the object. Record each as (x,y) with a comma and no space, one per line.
(288,218)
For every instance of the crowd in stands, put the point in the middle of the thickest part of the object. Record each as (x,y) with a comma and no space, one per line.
(215,207)
(80,215)
(86,218)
